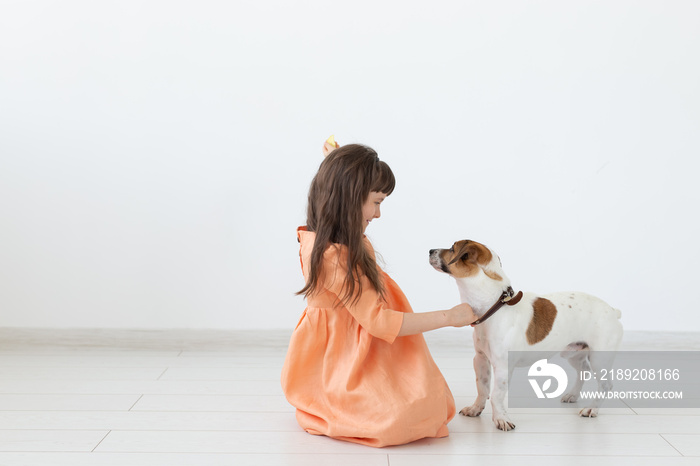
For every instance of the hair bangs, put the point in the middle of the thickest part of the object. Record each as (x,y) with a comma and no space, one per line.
(383,180)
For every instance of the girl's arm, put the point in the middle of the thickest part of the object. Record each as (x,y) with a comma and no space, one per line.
(419,322)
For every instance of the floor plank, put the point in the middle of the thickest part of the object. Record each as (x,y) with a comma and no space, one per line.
(212,397)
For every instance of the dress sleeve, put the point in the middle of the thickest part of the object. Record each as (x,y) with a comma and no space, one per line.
(370,309)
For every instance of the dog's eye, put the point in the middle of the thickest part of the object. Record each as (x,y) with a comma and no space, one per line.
(465,256)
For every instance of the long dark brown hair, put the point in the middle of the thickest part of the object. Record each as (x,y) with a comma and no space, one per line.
(340,188)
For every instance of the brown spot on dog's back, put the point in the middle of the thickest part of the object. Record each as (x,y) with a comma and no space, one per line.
(543,314)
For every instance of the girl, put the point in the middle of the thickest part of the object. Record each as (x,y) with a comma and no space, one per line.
(358,368)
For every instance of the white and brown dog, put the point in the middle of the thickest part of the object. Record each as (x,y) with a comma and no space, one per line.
(575,322)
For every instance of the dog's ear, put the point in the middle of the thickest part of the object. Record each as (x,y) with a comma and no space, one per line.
(467,251)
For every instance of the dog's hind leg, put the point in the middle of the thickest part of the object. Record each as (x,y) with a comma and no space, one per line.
(482,367)
(577,355)
(601,364)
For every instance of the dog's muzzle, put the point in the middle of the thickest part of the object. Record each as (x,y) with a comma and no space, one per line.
(436,261)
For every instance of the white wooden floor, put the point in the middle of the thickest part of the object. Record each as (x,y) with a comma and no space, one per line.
(213,398)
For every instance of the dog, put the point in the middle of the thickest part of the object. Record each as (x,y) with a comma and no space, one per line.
(575,323)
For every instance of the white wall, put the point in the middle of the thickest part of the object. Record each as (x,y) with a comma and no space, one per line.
(155,155)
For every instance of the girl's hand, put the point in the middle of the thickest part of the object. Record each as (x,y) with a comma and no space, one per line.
(461,315)
(328,147)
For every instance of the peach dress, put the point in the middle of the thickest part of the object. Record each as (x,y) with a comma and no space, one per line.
(348,374)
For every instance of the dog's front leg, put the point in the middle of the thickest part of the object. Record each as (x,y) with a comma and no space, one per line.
(482,367)
(500,388)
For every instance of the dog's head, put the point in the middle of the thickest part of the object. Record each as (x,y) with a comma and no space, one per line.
(470,263)
(476,268)
(467,258)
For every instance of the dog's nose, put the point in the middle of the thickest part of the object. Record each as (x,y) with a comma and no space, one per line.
(432,251)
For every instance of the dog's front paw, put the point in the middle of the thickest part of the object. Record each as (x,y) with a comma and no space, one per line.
(569,398)
(588,412)
(503,423)
(472,411)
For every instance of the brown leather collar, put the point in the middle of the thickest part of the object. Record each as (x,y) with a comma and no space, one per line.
(508,297)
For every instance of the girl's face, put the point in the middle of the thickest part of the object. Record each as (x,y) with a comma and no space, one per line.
(370,209)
